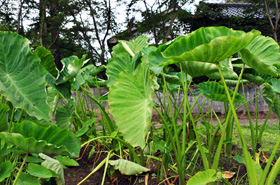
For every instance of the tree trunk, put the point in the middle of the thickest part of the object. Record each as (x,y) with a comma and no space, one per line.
(174,15)
(19,16)
(274,25)
(42,15)
(275,35)
(54,29)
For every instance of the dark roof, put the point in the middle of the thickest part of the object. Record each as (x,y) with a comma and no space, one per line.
(238,9)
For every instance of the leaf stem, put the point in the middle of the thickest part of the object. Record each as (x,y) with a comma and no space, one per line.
(20,169)
(248,160)
(96,168)
(20,116)
(118,139)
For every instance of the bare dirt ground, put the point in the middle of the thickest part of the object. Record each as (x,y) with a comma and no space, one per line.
(74,175)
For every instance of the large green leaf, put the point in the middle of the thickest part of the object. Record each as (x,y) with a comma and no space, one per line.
(203,177)
(262,54)
(135,46)
(131,104)
(127,167)
(47,60)
(4,109)
(118,64)
(33,138)
(211,44)
(71,67)
(22,78)
(271,98)
(6,169)
(216,92)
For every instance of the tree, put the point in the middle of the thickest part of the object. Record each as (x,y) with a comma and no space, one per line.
(155,19)
(7,21)
(269,13)
(268,7)
(94,23)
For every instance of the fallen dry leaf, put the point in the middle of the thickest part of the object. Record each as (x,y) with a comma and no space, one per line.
(227,174)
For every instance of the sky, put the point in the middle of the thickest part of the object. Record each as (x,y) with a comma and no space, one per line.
(120,11)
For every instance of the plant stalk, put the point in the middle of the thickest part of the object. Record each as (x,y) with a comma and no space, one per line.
(20,169)
(248,160)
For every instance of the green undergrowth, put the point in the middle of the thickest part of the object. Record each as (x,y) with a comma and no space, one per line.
(270,136)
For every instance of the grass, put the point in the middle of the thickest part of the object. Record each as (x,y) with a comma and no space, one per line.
(270,136)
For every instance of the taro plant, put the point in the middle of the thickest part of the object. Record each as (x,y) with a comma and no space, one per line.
(26,108)
(207,51)
(208,47)
(31,89)
(193,55)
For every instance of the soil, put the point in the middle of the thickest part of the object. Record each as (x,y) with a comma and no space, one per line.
(74,175)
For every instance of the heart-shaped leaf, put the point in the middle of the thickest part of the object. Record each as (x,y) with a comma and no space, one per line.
(52,98)
(210,44)
(22,78)
(131,104)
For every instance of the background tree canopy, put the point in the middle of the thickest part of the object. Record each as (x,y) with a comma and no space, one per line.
(77,27)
